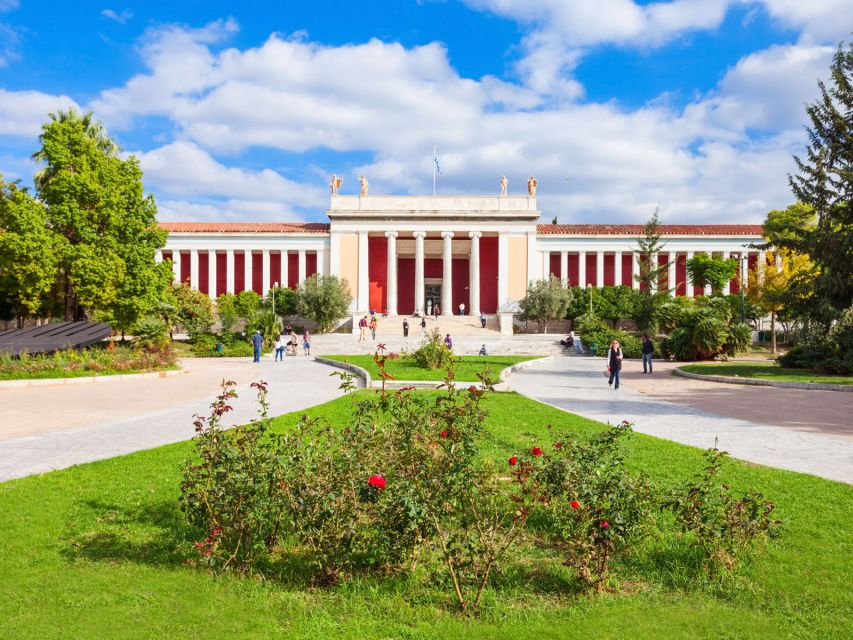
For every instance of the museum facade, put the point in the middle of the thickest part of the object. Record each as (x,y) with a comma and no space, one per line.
(403,255)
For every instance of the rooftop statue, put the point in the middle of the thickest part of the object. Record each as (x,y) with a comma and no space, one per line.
(504,183)
(364,184)
(532,183)
(335,184)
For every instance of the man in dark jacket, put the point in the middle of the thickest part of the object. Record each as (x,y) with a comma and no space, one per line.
(648,352)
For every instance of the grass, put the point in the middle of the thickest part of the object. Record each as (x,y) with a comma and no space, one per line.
(766,371)
(100,551)
(407,369)
(77,373)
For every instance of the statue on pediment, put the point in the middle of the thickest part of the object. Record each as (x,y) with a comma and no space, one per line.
(335,184)
(532,183)
(364,185)
(504,183)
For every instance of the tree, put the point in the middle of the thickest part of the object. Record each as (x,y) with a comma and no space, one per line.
(773,290)
(546,300)
(28,261)
(246,303)
(323,299)
(824,183)
(194,308)
(106,225)
(226,309)
(285,300)
(649,245)
(704,270)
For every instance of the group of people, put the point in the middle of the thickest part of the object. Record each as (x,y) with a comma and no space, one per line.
(286,343)
(614,360)
(364,324)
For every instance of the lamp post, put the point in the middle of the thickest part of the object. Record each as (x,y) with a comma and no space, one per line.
(742,285)
(274,287)
(589,288)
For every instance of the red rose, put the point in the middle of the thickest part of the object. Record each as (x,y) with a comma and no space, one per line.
(558,445)
(604,524)
(377,481)
(536,451)
(444,434)
(513,461)
(575,504)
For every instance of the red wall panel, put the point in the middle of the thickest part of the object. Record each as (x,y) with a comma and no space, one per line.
(258,274)
(461,277)
(554,265)
(681,274)
(406,286)
(590,269)
(609,269)
(663,278)
(239,271)
(221,273)
(433,268)
(185,266)
(377,272)
(627,273)
(275,268)
(489,274)
(574,277)
(202,272)
(293,269)
(310,264)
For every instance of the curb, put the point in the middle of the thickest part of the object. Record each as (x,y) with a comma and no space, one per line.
(370,383)
(759,382)
(44,382)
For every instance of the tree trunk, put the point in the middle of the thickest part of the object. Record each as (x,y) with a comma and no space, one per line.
(773,332)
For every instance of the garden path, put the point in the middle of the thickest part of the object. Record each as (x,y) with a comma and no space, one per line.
(53,427)
(577,385)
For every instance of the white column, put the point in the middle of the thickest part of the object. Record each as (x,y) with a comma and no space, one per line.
(635,269)
(283,268)
(671,260)
(617,268)
(158,256)
(194,269)
(363,280)
(265,272)
(727,288)
(391,278)
(687,276)
(599,269)
(419,272)
(176,265)
(301,263)
(564,267)
(334,254)
(582,269)
(229,270)
(211,274)
(447,273)
(247,270)
(474,274)
(321,262)
(546,265)
(503,269)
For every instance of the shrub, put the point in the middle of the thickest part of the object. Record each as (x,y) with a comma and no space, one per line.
(594,507)
(703,330)
(226,309)
(433,353)
(194,308)
(723,526)
(246,303)
(821,350)
(323,299)
(268,323)
(151,333)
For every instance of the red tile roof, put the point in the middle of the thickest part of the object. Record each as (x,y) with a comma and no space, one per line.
(637,229)
(245,227)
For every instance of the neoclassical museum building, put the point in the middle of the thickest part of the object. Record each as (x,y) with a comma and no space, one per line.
(403,254)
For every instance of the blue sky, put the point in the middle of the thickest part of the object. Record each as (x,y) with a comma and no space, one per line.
(240,111)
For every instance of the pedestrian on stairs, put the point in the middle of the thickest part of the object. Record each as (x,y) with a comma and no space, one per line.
(405,328)
(483,319)
(373,324)
(423,327)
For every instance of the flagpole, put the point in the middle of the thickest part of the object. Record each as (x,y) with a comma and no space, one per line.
(433,169)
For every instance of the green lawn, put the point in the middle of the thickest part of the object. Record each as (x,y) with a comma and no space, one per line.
(77,373)
(100,551)
(407,369)
(765,370)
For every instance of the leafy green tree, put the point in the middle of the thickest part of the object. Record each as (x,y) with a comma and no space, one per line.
(106,225)
(649,245)
(824,183)
(285,300)
(226,309)
(28,260)
(268,323)
(323,299)
(247,302)
(194,308)
(546,300)
(704,270)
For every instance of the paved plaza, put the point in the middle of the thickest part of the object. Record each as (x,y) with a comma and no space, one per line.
(53,427)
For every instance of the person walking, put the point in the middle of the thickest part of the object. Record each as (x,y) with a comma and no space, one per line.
(614,362)
(405,328)
(448,342)
(306,343)
(257,341)
(483,319)
(648,353)
(362,329)
(373,325)
(279,348)
(423,327)
(436,311)
(461,308)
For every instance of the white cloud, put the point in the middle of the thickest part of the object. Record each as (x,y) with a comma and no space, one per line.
(122,17)
(823,20)
(23,112)
(9,42)
(8,5)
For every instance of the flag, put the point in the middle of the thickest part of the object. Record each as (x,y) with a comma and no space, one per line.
(435,160)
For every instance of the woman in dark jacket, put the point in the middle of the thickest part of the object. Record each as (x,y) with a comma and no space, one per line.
(614,362)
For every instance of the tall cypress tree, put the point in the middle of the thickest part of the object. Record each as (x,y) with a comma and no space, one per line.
(825,183)
(649,245)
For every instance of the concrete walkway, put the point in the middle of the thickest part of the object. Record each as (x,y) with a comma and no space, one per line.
(577,385)
(49,428)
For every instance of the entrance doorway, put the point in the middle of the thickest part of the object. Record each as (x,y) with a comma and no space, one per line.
(432,297)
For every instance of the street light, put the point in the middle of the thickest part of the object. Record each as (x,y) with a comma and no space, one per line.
(742,284)
(589,288)
(274,287)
